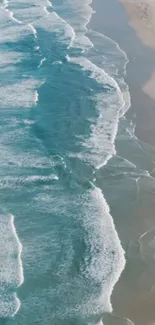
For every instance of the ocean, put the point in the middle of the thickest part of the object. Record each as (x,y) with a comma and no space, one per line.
(65,155)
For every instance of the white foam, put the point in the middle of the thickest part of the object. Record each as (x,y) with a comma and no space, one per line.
(11,15)
(36,97)
(49,4)
(57,62)
(41,62)
(147,246)
(35,178)
(10,58)
(106,259)
(78,15)
(33,12)
(16,4)
(11,270)
(28,159)
(29,122)
(14,182)
(83,43)
(37,48)
(103,133)
(33,30)
(5,3)
(38,15)
(11,31)
(90,251)
(54,24)
(20,267)
(45,10)
(124,163)
(9,304)
(19,3)
(19,95)
(109,56)
(29,13)
(100,146)
(107,255)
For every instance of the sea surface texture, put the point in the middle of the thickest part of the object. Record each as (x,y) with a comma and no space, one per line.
(62,95)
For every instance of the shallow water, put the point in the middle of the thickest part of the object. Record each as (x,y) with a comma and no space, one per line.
(63,100)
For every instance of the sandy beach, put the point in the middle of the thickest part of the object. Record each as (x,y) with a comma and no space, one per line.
(132,26)
(140,71)
(142,18)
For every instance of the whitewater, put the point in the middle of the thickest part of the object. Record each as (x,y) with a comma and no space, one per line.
(62,96)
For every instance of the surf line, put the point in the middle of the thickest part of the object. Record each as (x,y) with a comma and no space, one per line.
(20,248)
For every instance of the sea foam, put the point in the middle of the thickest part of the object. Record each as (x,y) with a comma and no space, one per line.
(100,147)
(84,287)
(29,12)
(19,95)
(11,275)
(107,256)
(78,15)
(55,24)
(83,254)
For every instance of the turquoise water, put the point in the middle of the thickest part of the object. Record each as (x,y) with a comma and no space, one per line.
(62,95)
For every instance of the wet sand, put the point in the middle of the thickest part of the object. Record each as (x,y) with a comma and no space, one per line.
(111,19)
(141,16)
(133,209)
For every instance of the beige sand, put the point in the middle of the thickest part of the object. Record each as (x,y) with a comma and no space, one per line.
(142,19)
(149,87)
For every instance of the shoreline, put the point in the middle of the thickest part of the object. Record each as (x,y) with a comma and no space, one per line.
(131,298)
(141,17)
(139,69)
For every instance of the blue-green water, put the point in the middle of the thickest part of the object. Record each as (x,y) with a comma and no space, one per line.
(62,94)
